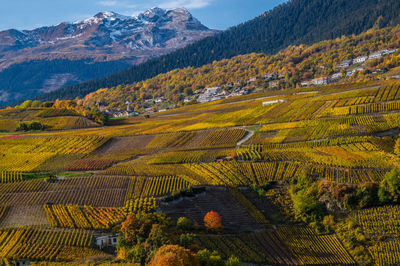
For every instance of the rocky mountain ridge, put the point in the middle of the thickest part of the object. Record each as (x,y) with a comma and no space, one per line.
(118,40)
(105,36)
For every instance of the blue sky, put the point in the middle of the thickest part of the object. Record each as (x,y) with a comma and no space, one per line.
(216,14)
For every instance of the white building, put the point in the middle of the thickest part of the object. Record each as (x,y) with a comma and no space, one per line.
(270,76)
(149,110)
(345,63)
(244,92)
(121,114)
(106,241)
(274,102)
(213,90)
(360,59)
(336,76)
(350,73)
(386,51)
(306,83)
(376,55)
(208,95)
(320,81)
(159,100)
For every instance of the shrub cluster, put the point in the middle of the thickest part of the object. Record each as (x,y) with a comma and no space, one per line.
(313,200)
(30,126)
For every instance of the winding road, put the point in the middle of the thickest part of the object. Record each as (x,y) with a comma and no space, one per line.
(249,134)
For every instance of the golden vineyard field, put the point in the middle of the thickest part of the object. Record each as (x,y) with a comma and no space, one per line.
(296,176)
(91,179)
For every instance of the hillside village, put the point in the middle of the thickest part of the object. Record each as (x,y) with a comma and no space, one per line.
(355,65)
(346,69)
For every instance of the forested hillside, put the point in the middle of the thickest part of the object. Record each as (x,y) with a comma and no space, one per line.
(295,22)
(24,79)
(295,63)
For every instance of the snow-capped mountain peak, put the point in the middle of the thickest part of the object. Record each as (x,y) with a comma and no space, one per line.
(108,33)
(155,11)
(106,36)
(100,17)
(112,16)
(106,14)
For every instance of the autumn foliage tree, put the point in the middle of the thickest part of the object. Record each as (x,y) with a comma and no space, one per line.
(173,255)
(130,228)
(142,236)
(213,221)
(296,63)
(397,147)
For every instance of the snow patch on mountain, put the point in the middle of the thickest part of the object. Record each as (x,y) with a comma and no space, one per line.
(107,34)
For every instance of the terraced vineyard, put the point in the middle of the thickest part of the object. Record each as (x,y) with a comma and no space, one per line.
(141,205)
(3,212)
(40,243)
(349,175)
(51,118)
(28,153)
(236,174)
(7,177)
(380,221)
(97,191)
(170,140)
(294,176)
(87,217)
(182,157)
(118,171)
(253,211)
(285,246)
(233,245)
(314,249)
(90,164)
(386,253)
(223,138)
(155,186)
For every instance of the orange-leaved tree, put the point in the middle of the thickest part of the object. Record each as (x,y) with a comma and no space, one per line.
(173,255)
(130,228)
(213,221)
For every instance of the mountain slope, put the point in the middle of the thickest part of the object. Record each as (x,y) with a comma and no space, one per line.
(28,79)
(106,37)
(298,21)
(107,33)
(296,63)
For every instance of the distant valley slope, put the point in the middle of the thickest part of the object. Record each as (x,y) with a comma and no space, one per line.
(295,22)
(97,46)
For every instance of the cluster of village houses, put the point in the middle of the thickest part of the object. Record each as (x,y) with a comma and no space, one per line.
(215,93)
(347,64)
(210,94)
